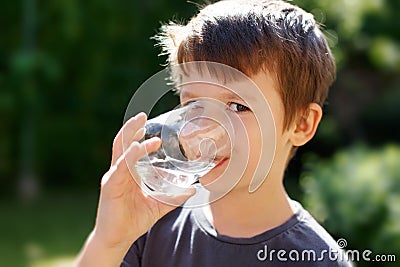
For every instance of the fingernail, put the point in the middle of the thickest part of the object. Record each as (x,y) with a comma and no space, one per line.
(141,114)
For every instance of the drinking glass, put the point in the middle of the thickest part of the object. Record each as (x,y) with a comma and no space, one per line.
(195,138)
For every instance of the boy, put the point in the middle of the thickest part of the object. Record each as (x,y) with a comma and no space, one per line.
(281,49)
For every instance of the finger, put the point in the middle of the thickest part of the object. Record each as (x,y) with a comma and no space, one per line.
(118,174)
(130,131)
(131,158)
(139,135)
(125,168)
(134,130)
(152,144)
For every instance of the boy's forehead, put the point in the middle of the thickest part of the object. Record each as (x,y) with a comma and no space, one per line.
(243,89)
(224,83)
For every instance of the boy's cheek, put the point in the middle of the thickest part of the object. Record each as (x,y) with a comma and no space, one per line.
(247,151)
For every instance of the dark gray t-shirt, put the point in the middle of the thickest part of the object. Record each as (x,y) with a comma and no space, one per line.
(184,237)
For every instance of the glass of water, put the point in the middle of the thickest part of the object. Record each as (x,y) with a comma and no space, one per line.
(195,138)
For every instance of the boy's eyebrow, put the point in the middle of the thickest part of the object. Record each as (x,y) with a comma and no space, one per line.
(232,95)
(223,95)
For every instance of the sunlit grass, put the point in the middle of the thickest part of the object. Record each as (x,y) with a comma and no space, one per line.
(46,232)
(62,261)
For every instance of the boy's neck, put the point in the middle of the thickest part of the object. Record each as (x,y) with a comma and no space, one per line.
(240,214)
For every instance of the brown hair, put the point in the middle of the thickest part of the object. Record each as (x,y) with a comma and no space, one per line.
(255,35)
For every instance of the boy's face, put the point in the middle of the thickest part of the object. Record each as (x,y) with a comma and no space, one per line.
(258,106)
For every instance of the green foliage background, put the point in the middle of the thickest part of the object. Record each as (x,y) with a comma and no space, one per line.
(68,69)
(356,194)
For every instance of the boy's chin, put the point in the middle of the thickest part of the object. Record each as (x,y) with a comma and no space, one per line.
(220,179)
(215,173)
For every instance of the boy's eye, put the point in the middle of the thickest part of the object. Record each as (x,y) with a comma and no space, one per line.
(236,107)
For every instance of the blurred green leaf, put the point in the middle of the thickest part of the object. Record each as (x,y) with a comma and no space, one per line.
(356,195)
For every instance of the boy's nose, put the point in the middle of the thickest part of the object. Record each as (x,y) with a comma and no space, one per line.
(198,127)
(204,138)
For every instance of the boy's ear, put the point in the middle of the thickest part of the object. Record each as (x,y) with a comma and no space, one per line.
(306,125)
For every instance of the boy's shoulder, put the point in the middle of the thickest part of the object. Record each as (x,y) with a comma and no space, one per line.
(306,233)
(185,236)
